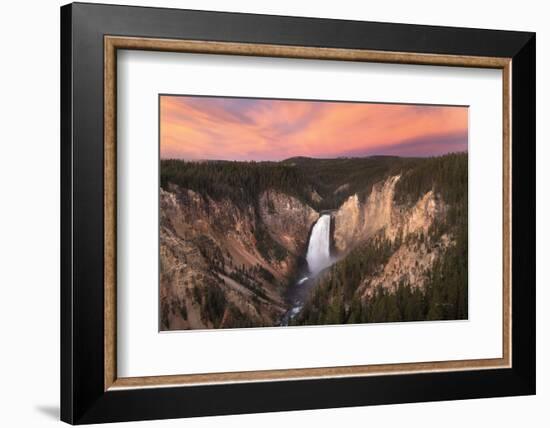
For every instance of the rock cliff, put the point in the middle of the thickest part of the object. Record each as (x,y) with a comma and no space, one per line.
(409,264)
(287,219)
(356,221)
(224,265)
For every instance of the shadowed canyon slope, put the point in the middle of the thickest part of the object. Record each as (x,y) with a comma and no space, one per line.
(234,237)
(224,265)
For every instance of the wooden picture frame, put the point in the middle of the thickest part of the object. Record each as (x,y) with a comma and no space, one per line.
(91,390)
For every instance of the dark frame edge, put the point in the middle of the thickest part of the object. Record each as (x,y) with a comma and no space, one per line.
(524,215)
(66,304)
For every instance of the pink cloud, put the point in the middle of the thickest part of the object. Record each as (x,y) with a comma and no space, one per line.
(253,129)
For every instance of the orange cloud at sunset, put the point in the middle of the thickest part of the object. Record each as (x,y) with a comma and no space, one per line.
(226,128)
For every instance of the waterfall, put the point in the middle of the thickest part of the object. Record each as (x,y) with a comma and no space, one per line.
(318,251)
(318,258)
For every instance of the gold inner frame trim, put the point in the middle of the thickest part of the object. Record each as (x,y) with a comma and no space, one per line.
(113,43)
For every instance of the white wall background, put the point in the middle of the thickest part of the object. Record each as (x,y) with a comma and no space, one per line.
(29,218)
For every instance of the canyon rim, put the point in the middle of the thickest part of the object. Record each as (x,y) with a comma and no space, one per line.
(293,213)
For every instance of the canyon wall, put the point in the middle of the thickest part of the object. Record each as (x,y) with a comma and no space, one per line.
(406,226)
(287,219)
(225,264)
(356,221)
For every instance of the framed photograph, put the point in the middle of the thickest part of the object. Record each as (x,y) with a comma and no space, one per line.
(266,213)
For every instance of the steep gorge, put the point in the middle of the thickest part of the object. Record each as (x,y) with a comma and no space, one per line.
(231,255)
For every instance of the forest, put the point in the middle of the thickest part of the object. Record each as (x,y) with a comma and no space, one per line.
(332,179)
(241,182)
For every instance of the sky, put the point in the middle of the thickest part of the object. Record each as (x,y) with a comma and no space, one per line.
(199,128)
